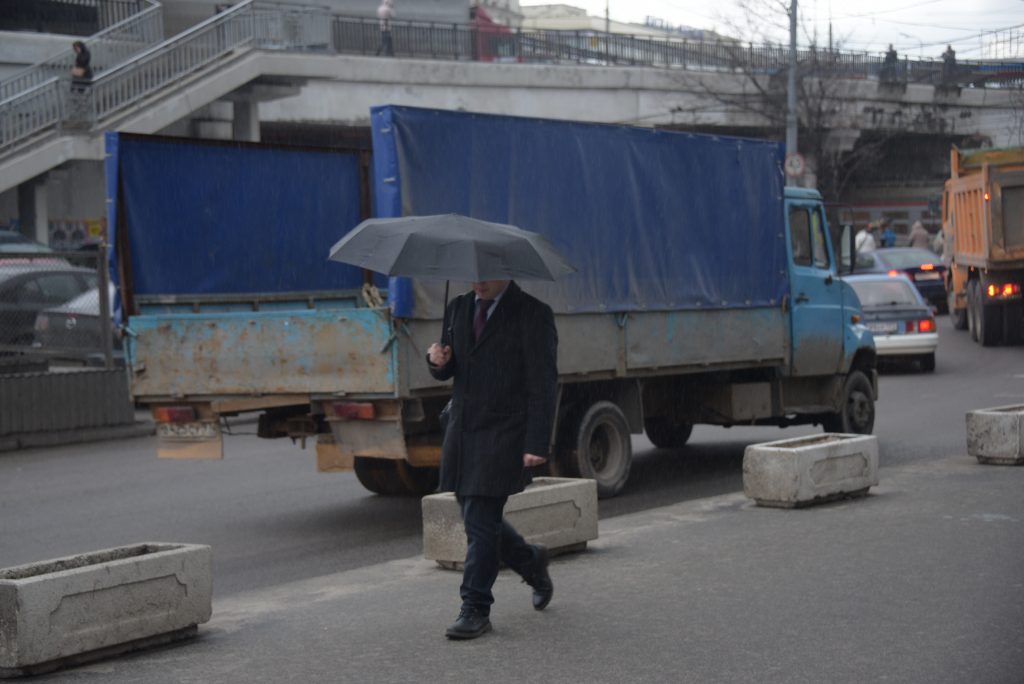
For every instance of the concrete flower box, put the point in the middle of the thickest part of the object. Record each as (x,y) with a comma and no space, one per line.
(80,608)
(558,512)
(798,472)
(996,435)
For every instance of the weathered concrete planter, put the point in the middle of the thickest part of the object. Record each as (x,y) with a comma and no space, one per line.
(558,512)
(799,472)
(72,610)
(996,435)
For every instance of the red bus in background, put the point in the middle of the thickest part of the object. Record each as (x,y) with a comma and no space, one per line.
(492,42)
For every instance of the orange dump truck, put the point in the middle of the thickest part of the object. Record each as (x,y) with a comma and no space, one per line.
(983,230)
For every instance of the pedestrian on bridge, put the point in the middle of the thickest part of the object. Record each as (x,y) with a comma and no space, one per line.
(385,13)
(81,72)
(501,352)
(949,66)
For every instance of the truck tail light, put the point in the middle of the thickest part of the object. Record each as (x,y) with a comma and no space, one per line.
(354,410)
(174,414)
(1003,291)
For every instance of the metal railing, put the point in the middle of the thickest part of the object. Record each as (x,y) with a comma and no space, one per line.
(265,25)
(111,46)
(71,17)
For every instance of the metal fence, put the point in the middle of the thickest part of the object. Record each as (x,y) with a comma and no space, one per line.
(51,311)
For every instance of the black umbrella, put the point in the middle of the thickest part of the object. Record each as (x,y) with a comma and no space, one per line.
(450,247)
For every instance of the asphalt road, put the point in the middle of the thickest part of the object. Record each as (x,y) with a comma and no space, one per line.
(271,518)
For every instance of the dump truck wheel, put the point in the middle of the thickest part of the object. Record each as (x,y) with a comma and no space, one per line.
(990,323)
(957,316)
(602,449)
(857,415)
(666,433)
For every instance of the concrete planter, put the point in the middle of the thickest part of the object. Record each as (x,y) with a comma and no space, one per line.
(558,512)
(996,435)
(80,608)
(799,472)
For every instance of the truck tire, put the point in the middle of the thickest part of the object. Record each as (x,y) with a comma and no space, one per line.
(858,408)
(957,316)
(990,323)
(389,477)
(666,433)
(972,309)
(602,449)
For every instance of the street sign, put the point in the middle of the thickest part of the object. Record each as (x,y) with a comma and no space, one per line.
(794,165)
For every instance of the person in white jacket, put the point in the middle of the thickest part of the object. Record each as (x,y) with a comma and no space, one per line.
(864,241)
(385,13)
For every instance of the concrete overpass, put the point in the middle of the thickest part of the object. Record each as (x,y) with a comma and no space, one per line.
(306,75)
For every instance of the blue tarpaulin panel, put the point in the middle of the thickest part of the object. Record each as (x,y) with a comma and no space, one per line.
(214,218)
(652,220)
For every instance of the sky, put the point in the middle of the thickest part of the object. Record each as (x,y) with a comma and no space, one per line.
(975,28)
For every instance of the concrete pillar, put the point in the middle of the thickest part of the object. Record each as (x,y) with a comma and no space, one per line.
(246,123)
(33,211)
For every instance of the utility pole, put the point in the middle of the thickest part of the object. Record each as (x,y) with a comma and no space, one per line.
(607,18)
(791,119)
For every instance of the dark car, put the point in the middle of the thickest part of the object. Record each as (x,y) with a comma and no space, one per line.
(923,267)
(899,318)
(27,289)
(73,330)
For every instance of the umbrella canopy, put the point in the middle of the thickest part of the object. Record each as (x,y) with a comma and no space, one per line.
(450,247)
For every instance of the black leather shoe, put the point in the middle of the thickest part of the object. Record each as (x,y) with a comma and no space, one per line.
(470,625)
(543,589)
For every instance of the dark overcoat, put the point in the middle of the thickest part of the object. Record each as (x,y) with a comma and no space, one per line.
(503,399)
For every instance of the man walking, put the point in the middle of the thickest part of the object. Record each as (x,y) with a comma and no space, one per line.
(502,353)
(385,13)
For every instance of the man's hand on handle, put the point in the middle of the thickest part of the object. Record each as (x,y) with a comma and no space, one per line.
(439,356)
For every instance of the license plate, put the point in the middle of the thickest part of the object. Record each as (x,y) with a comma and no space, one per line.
(882,327)
(926,276)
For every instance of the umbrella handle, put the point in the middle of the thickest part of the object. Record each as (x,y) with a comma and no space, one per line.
(446,329)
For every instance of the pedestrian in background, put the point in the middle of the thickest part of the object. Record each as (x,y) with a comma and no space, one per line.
(864,241)
(502,354)
(888,237)
(385,13)
(81,72)
(919,237)
(949,66)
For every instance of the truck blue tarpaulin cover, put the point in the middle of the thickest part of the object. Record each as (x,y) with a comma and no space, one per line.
(652,220)
(212,218)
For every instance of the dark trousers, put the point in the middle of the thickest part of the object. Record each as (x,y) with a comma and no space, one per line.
(386,46)
(490,541)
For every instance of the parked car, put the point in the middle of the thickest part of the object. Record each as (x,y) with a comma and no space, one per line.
(898,316)
(922,266)
(73,330)
(27,289)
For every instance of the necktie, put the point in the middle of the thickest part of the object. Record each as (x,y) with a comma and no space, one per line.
(480,319)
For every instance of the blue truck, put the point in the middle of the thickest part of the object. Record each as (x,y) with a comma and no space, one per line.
(707,292)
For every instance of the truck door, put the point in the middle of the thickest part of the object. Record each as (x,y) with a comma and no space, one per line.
(816,295)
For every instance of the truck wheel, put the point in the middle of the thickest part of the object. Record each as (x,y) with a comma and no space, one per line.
(389,477)
(858,413)
(602,449)
(957,316)
(990,323)
(972,309)
(666,433)
(417,481)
